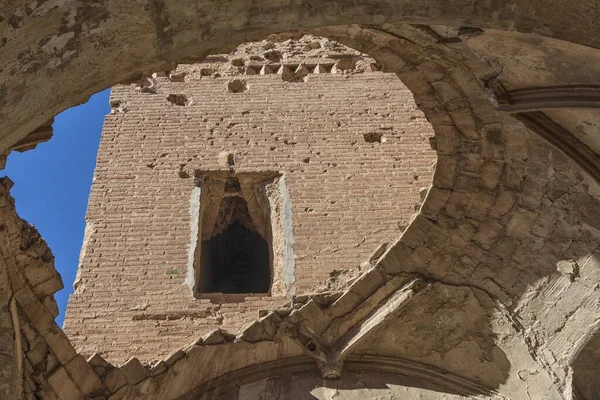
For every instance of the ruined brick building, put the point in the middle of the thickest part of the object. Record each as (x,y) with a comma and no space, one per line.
(423,212)
(293,152)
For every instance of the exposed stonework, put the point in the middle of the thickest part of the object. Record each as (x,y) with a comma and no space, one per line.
(506,240)
(41,361)
(292,57)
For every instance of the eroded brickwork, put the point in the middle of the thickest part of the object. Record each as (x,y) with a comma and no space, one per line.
(349,140)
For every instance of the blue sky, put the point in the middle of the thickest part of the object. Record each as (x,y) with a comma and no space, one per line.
(52,185)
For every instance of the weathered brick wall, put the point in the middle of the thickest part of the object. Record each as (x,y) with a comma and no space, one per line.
(348,195)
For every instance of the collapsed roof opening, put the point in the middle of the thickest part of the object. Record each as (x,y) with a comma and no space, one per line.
(294,221)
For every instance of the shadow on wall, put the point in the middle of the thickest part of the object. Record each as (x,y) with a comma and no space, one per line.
(494,230)
(586,368)
(310,386)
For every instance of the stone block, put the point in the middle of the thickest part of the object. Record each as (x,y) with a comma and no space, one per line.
(515,143)
(434,201)
(96,360)
(436,236)
(488,233)
(470,163)
(445,172)
(115,380)
(464,79)
(50,305)
(446,140)
(505,200)
(493,142)
(446,91)
(544,223)
(395,260)
(49,287)
(421,256)
(218,336)
(458,204)
(514,174)
(480,205)
(134,371)
(413,236)
(504,246)
(100,366)
(83,375)
(158,368)
(464,122)
(213,338)
(520,222)
(63,385)
(35,270)
(37,353)
(534,190)
(491,171)
(254,332)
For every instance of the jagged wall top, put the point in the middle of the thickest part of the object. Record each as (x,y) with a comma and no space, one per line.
(278,54)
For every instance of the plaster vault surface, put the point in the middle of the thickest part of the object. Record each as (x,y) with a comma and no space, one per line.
(490,289)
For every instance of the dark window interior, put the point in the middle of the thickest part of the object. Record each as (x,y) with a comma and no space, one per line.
(236,258)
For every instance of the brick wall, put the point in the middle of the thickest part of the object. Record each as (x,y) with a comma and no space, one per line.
(348,195)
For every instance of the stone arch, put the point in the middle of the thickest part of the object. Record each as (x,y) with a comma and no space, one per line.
(455,103)
(480,194)
(52,67)
(585,366)
(282,378)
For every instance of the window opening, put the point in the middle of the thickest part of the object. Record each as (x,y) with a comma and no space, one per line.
(236,257)
(239,221)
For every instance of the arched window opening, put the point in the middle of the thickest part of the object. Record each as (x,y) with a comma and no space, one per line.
(239,221)
(235,259)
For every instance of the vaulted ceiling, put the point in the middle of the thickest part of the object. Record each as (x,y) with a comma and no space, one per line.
(504,249)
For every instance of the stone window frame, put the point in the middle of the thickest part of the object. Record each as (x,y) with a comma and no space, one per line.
(269,205)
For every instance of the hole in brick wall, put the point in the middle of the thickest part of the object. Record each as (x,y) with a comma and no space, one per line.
(237,86)
(178,99)
(177,76)
(237,62)
(206,71)
(236,261)
(269,69)
(117,106)
(273,55)
(146,85)
(294,73)
(374,137)
(345,64)
(253,69)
